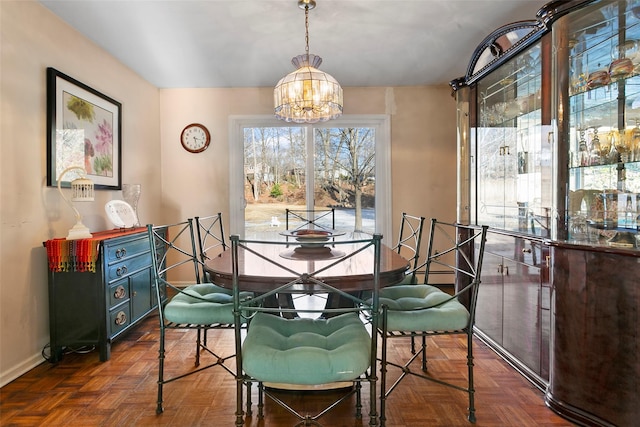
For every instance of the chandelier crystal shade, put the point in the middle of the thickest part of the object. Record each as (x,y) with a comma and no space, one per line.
(307,95)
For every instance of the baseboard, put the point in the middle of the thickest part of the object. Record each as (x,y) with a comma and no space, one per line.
(20,369)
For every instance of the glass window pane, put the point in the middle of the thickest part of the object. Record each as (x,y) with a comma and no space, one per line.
(345,176)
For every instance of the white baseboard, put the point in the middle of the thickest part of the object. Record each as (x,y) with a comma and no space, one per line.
(20,369)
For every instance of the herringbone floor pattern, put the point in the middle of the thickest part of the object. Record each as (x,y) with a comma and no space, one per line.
(82,391)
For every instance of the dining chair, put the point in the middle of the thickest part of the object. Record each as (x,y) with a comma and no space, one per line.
(425,310)
(184,302)
(322,218)
(211,243)
(409,241)
(210,235)
(320,346)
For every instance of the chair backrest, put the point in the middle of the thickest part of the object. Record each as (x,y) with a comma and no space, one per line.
(409,241)
(296,219)
(306,278)
(458,250)
(174,256)
(210,236)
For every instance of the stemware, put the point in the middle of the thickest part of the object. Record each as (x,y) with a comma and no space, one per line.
(621,143)
(596,148)
(606,143)
(583,151)
(131,195)
(634,146)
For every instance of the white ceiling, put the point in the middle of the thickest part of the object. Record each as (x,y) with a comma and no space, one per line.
(249,43)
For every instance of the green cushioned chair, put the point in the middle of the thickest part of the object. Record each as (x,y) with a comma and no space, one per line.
(195,306)
(423,310)
(319,347)
(422,307)
(306,351)
(201,304)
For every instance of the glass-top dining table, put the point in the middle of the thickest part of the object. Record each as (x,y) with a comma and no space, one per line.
(354,274)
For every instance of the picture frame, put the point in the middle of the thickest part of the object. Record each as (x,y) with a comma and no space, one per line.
(84,128)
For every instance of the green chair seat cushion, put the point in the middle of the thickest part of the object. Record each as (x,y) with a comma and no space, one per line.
(411,308)
(409,279)
(306,351)
(202,304)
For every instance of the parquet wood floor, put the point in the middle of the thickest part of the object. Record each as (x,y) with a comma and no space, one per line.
(82,391)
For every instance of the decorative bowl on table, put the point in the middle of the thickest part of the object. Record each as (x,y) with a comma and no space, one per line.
(310,238)
(311,244)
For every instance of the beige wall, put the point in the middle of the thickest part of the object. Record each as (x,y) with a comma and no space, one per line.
(32,39)
(175,184)
(423,146)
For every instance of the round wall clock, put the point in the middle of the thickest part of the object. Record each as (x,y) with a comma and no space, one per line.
(195,138)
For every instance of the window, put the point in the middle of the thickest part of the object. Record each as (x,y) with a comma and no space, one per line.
(343,163)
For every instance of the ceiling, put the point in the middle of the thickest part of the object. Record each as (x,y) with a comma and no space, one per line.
(250,43)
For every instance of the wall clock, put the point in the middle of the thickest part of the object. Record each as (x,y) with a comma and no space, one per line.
(195,138)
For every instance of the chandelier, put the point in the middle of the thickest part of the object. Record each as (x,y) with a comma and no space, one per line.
(307,95)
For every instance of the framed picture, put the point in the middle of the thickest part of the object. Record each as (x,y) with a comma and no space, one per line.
(83,129)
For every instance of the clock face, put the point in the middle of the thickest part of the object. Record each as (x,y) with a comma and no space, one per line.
(195,138)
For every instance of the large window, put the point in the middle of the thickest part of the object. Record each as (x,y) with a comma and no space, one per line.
(342,164)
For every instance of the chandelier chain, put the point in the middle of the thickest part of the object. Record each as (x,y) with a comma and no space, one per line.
(306,28)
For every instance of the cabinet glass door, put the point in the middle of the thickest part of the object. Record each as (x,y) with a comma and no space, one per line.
(513,153)
(603,64)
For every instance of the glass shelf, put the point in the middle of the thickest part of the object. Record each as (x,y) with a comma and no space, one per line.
(604,126)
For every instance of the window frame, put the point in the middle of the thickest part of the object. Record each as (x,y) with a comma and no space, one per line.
(381,124)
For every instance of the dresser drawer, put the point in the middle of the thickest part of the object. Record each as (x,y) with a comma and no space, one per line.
(123,249)
(118,293)
(122,269)
(119,318)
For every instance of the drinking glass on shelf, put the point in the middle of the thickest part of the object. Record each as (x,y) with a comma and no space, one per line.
(624,144)
(131,195)
(635,143)
(595,148)
(583,150)
(606,143)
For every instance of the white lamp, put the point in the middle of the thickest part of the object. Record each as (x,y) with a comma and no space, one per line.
(81,191)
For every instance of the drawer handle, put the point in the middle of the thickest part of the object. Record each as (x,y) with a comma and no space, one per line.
(121,253)
(120,292)
(121,318)
(122,270)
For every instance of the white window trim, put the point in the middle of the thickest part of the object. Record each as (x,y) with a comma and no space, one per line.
(381,123)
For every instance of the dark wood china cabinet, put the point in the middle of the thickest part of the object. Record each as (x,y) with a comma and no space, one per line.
(549,158)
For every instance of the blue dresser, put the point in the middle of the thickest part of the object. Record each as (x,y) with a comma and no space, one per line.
(98,289)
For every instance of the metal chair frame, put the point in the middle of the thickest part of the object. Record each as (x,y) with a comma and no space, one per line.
(210,234)
(308,218)
(260,303)
(467,243)
(210,237)
(409,241)
(173,247)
